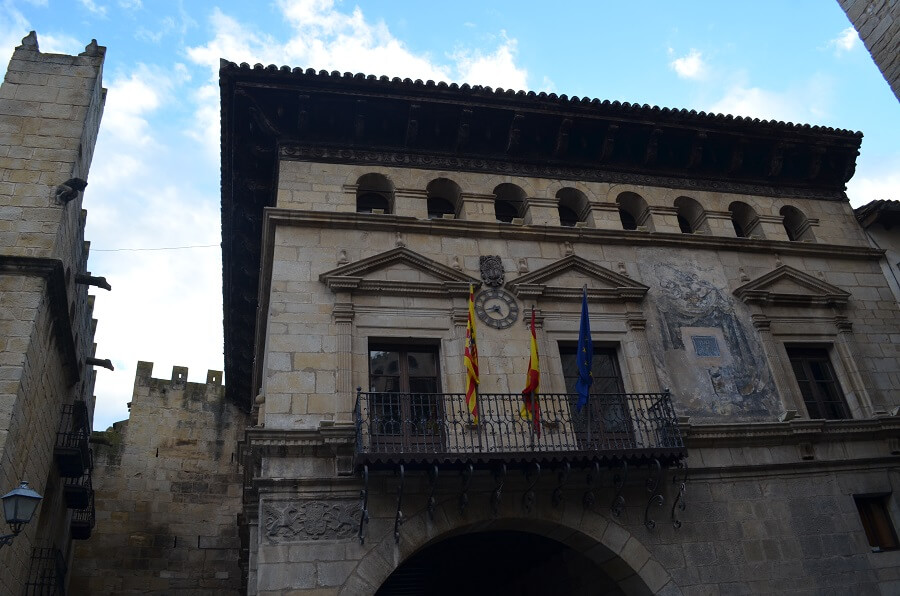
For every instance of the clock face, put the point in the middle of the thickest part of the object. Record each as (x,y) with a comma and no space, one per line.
(496,307)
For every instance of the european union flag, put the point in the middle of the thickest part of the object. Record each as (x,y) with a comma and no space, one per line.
(585,355)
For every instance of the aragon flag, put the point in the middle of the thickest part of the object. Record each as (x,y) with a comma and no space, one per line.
(470,358)
(531,406)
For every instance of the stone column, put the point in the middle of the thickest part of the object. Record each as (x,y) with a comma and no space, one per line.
(477,207)
(541,212)
(863,408)
(604,216)
(644,380)
(342,315)
(772,227)
(411,202)
(777,360)
(719,223)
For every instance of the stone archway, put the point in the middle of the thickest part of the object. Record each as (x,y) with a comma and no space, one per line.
(618,554)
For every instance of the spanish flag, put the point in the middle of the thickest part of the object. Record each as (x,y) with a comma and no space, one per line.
(531,407)
(470,358)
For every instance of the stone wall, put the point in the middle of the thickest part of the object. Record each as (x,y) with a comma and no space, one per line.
(50,110)
(878,24)
(168,493)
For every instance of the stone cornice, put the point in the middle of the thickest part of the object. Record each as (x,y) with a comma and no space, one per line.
(537,283)
(52,271)
(793,432)
(812,291)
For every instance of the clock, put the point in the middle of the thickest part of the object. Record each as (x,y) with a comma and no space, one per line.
(497,308)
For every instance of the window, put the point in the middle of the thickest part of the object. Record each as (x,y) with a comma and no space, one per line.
(607,415)
(745,221)
(691,216)
(634,211)
(796,225)
(444,198)
(573,206)
(374,193)
(404,407)
(876,520)
(818,383)
(509,202)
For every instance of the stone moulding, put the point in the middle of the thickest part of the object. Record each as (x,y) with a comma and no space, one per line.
(52,271)
(810,291)
(793,432)
(537,283)
(352,277)
(307,519)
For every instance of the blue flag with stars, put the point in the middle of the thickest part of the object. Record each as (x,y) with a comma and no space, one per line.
(585,355)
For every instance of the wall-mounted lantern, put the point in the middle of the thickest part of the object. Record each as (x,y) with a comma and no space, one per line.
(19,506)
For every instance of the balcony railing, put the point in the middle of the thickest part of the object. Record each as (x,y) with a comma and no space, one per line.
(71,450)
(47,574)
(83,520)
(78,492)
(437,428)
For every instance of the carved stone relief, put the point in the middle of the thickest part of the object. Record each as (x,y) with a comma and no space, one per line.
(298,521)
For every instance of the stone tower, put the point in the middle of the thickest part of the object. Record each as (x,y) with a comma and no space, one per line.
(50,109)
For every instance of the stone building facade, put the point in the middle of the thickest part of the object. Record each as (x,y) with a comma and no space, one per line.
(744,436)
(878,25)
(168,492)
(881,221)
(50,109)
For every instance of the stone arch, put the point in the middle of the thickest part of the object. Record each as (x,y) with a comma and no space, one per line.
(509,202)
(691,216)
(444,197)
(573,206)
(634,211)
(745,220)
(374,192)
(600,539)
(796,225)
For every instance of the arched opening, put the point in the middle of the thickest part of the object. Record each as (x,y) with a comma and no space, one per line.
(573,206)
(509,562)
(745,220)
(634,211)
(509,202)
(796,225)
(374,194)
(443,198)
(691,216)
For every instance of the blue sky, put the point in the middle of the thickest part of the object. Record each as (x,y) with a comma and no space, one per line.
(155,179)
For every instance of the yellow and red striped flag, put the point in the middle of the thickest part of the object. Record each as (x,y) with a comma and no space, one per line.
(470,358)
(531,406)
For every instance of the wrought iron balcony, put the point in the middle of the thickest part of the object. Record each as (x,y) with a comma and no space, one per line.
(71,450)
(78,492)
(83,520)
(428,428)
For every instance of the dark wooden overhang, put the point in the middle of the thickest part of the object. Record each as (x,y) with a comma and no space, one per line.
(271,112)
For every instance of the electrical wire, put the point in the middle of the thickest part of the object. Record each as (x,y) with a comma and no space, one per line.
(155,248)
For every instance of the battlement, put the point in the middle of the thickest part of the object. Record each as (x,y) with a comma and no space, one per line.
(143,377)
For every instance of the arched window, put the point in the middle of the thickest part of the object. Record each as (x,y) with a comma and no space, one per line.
(374,193)
(796,225)
(633,211)
(508,202)
(573,206)
(691,216)
(745,221)
(443,198)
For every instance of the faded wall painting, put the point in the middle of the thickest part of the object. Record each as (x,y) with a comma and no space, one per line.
(709,356)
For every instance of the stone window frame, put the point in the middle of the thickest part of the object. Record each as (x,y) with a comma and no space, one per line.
(810,352)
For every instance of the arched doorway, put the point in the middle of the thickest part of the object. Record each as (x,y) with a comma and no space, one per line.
(515,562)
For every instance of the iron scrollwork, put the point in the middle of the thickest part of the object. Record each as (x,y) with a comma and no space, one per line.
(466,479)
(398,518)
(432,483)
(563,476)
(364,506)
(653,482)
(679,502)
(592,476)
(619,479)
(497,493)
(532,475)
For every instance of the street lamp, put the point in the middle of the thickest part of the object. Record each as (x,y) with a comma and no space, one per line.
(19,506)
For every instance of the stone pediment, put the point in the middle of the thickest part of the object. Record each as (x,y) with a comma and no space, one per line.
(564,280)
(787,286)
(400,271)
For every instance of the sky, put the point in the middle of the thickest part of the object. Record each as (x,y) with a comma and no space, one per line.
(153,195)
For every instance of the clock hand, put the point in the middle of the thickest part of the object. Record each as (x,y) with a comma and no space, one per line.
(496,308)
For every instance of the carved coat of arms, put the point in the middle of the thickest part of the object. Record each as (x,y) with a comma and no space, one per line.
(491,270)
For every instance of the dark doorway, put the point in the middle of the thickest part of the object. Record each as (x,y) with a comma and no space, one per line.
(499,563)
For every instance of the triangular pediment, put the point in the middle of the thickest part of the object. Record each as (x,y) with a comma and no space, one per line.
(400,271)
(788,286)
(564,280)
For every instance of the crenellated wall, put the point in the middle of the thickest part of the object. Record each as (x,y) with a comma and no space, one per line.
(168,493)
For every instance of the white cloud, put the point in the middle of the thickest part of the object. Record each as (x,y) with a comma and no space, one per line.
(806,101)
(130,99)
(496,69)
(131,4)
(60,44)
(689,66)
(845,41)
(13,27)
(97,9)
(878,183)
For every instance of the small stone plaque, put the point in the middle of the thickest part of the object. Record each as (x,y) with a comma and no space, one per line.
(706,346)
